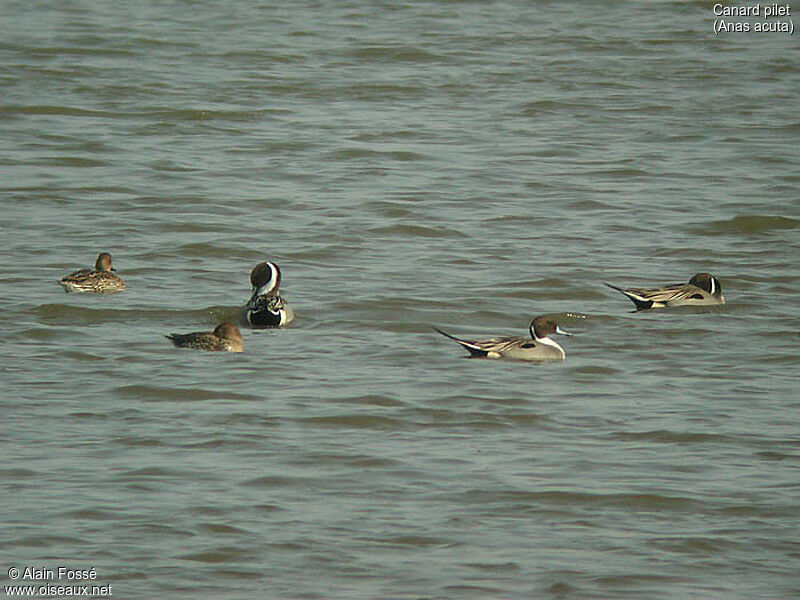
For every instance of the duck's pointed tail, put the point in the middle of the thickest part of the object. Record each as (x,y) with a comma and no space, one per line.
(473,349)
(638,301)
(445,334)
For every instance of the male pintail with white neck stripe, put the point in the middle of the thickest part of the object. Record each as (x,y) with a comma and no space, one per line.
(538,347)
(266,308)
(702,290)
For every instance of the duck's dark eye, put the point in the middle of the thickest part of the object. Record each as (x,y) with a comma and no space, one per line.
(696,297)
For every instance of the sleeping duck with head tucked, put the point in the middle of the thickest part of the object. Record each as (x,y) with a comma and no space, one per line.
(266,308)
(226,337)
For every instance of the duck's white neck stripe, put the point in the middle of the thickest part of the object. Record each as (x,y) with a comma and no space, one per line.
(265,289)
(272,283)
(548,342)
(713,287)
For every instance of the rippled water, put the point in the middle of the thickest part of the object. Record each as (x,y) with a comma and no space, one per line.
(461,164)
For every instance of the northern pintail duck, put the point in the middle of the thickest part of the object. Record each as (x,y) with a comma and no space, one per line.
(225,338)
(538,347)
(100,280)
(702,290)
(266,307)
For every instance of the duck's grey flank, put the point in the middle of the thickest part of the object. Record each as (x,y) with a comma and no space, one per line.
(100,280)
(702,290)
(536,348)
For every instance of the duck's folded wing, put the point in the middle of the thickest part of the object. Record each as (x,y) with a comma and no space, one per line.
(77,275)
(499,344)
(188,339)
(670,293)
(645,298)
(483,347)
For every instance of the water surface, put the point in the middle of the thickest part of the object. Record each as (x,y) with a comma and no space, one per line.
(465,165)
